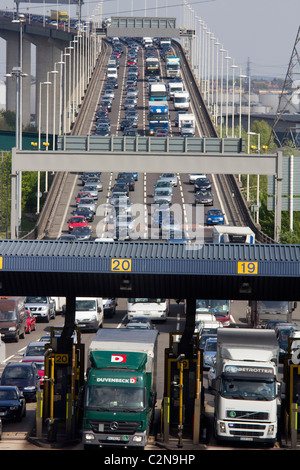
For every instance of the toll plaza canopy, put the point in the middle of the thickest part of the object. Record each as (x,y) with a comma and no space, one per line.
(150,269)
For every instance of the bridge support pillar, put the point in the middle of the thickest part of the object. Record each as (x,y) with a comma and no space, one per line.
(47,54)
(13,60)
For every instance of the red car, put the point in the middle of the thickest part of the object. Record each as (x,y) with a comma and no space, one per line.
(77,221)
(31,320)
(131,62)
(82,194)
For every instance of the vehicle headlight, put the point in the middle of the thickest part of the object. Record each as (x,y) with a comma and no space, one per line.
(137,438)
(13,407)
(12,328)
(89,436)
(222,427)
(271,429)
(29,389)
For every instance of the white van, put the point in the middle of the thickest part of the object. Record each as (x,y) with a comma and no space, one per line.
(112,72)
(89,313)
(154,309)
(174,87)
(181,100)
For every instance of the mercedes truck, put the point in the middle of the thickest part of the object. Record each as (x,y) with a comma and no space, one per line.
(120,390)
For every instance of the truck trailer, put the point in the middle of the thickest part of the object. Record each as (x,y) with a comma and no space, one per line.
(120,390)
(247,389)
(233,234)
(158,92)
(158,117)
(59,16)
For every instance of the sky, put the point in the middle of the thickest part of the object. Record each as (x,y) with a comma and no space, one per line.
(259,32)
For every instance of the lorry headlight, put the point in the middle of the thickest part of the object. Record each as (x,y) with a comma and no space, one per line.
(137,438)
(271,429)
(222,427)
(89,437)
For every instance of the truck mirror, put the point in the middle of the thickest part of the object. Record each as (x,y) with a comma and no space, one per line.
(281,390)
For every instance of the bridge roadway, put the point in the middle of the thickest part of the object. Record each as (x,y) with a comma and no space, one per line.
(143,194)
(15,434)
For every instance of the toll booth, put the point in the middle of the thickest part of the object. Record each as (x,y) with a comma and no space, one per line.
(291,376)
(63,378)
(183,401)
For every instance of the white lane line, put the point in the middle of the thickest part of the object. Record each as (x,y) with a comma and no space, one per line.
(67,206)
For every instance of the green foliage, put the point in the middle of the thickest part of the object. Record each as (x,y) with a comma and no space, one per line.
(9,120)
(289,237)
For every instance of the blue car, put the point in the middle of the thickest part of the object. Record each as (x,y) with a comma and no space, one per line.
(25,376)
(12,404)
(214,217)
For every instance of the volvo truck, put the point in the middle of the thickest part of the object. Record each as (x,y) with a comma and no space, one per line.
(120,390)
(246,386)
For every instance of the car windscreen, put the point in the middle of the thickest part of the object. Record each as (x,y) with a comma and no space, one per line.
(85,305)
(8,315)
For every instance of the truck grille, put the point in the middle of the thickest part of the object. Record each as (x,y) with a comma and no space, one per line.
(247,415)
(123,427)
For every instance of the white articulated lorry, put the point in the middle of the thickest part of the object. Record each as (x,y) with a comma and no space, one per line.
(247,390)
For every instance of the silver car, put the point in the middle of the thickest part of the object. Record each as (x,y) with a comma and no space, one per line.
(87,202)
(95,181)
(92,189)
(162,194)
(171,177)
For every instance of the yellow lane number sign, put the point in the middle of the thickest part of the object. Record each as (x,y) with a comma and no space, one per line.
(247,267)
(121,265)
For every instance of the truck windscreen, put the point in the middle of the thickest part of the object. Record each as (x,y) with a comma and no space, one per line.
(115,398)
(245,389)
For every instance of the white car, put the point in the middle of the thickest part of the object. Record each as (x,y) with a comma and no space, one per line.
(194,176)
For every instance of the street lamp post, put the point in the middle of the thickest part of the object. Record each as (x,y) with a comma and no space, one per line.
(221,92)
(19,98)
(227,96)
(39,143)
(54,102)
(233,103)
(258,178)
(64,120)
